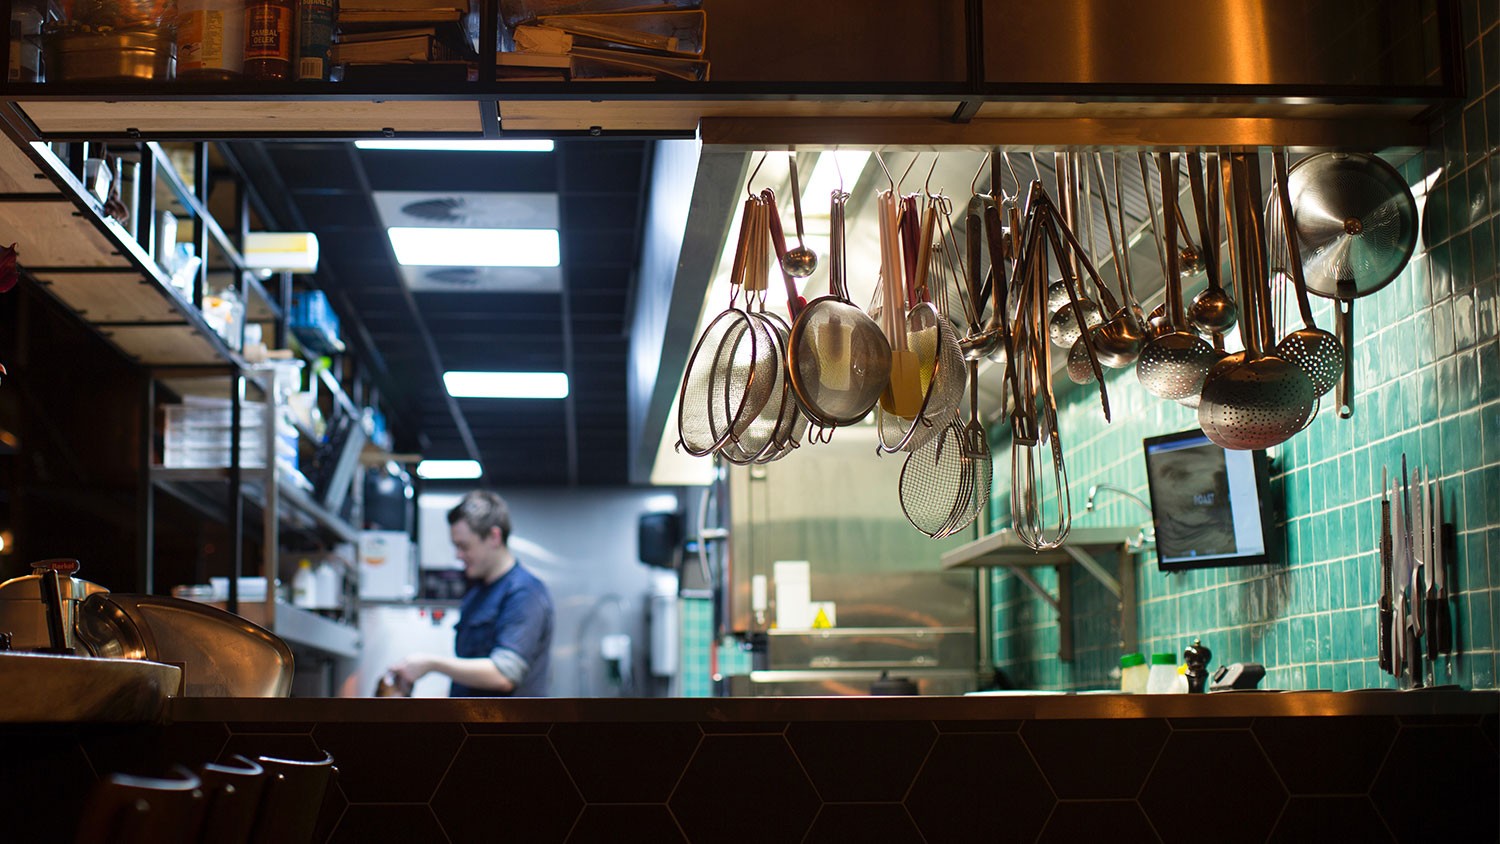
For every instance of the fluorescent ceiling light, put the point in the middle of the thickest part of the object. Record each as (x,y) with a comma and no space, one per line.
(453,247)
(460,146)
(506,385)
(448,470)
(825,174)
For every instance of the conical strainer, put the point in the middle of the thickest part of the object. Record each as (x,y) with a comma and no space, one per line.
(1356,226)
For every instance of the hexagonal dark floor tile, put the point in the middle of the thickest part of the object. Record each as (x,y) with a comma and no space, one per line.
(746,727)
(979,781)
(46,780)
(741,788)
(362,824)
(1326,755)
(612,824)
(1115,821)
(510,784)
(861,823)
(1450,768)
(614,763)
(1062,749)
(1226,763)
(331,812)
(390,762)
(1330,819)
(861,761)
(1491,726)
(977,726)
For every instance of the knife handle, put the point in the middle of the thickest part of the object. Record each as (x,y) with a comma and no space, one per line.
(1440,615)
(1385,636)
(1432,629)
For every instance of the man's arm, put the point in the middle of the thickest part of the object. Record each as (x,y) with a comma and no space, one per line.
(476,673)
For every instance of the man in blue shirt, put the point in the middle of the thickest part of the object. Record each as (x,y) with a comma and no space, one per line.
(504,634)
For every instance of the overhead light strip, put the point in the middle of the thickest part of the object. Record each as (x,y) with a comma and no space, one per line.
(449,470)
(506,385)
(455,247)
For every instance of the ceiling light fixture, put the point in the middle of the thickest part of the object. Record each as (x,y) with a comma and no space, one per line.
(455,247)
(506,385)
(459,146)
(449,470)
(825,174)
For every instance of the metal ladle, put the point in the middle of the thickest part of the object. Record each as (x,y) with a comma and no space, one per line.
(1212,310)
(1173,365)
(1119,340)
(800,260)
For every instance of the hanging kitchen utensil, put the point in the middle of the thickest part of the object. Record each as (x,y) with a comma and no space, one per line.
(1070,317)
(1356,224)
(913,338)
(1212,310)
(1173,365)
(977,449)
(1120,339)
(1265,399)
(1318,352)
(714,393)
(838,358)
(933,483)
(760,436)
(800,261)
(1158,322)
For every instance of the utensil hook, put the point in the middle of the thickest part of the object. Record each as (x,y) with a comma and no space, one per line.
(751,180)
(974,182)
(879,159)
(904,173)
(927,183)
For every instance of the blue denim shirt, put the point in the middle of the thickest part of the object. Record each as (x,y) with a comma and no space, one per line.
(510,621)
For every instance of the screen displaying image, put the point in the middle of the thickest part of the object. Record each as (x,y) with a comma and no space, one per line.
(1205,501)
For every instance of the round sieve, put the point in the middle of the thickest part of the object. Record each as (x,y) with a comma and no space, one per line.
(838,359)
(714,392)
(933,482)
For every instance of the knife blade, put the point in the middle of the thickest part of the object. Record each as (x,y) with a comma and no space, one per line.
(1430,532)
(1385,575)
(1398,587)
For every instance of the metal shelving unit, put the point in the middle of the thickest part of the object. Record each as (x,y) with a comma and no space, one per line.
(114,283)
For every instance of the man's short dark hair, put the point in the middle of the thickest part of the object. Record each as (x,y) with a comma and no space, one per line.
(482,510)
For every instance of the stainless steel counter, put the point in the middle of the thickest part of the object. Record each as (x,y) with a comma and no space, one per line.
(731,710)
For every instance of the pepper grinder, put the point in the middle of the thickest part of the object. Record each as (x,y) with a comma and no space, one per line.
(1196,657)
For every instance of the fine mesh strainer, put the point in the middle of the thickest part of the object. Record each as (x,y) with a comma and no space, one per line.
(1315,350)
(1356,228)
(936,480)
(713,392)
(838,359)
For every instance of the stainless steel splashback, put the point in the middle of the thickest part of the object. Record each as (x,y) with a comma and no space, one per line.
(836,506)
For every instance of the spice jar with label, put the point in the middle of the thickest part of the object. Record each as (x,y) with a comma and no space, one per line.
(270,39)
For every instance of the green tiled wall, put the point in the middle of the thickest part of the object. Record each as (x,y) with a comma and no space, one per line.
(1427,370)
(696,617)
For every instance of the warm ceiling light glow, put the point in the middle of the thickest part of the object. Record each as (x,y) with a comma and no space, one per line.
(506,385)
(448,470)
(460,146)
(825,174)
(454,247)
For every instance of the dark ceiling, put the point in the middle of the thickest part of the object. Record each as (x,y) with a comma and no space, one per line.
(408,338)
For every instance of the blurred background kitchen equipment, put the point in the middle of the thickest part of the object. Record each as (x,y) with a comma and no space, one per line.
(221,654)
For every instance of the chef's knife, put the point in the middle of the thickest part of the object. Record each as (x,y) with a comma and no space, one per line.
(1398,586)
(1385,575)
